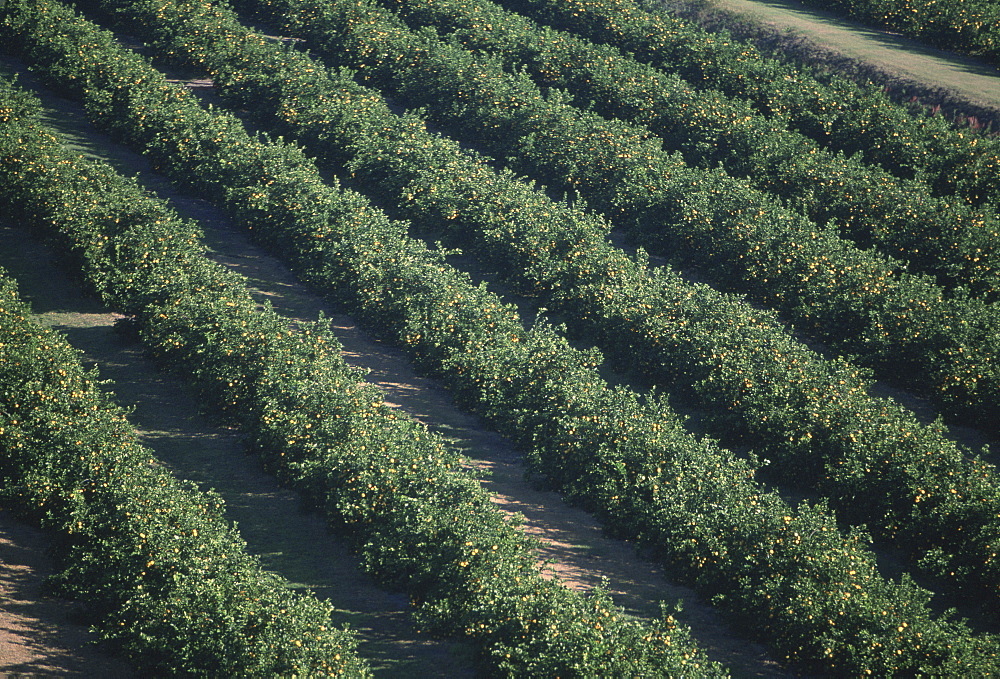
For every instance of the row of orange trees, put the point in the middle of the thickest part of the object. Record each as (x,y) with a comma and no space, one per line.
(742,240)
(160,572)
(872,459)
(835,111)
(789,573)
(421,525)
(944,237)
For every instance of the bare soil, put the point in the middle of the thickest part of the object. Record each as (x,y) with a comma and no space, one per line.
(292,543)
(38,636)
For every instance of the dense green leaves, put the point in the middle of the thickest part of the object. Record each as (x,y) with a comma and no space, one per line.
(836,112)
(420,523)
(812,591)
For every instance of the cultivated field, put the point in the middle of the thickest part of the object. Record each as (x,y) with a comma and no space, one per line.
(741,317)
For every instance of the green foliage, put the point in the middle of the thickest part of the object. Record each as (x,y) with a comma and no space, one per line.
(836,112)
(158,570)
(420,523)
(627,458)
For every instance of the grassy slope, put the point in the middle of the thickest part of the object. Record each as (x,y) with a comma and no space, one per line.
(901,58)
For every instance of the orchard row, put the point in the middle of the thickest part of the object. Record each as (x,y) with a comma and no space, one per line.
(821,604)
(836,112)
(869,457)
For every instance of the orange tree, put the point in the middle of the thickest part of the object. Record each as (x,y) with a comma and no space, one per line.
(834,111)
(419,522)
(357,251)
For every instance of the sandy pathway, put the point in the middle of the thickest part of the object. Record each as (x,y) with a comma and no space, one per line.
(899,57)
(38,636)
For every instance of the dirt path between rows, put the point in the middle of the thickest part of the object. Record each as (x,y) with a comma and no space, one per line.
(815,35)
(302,552)
(294,544)
(37,634)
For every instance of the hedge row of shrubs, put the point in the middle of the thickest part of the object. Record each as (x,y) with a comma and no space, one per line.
(901,325)
(152,561)
(835,111)
(420,524)
(153,564)
(788,573)
(946,238)
(871,458)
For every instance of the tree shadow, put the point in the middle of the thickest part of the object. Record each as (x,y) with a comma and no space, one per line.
(37,633)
